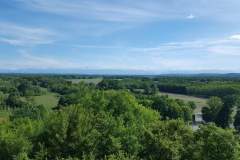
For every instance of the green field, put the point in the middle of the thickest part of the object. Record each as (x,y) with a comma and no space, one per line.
(200,102)
(49,100)
(87,80)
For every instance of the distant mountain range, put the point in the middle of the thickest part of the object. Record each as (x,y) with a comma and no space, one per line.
(121,72)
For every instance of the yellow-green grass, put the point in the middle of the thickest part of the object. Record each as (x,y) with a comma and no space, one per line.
(200,102)
(50,100)
(87,80)
(4,116)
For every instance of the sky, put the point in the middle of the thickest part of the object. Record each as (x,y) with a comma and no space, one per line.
(157,36)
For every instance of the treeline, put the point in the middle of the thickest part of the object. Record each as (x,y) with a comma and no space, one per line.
(197,86)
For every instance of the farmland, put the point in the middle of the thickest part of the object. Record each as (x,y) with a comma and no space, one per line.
(87,80)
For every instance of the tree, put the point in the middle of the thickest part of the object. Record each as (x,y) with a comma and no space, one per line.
(33,112)
(27,89)
(211,112)
(236,122)
(12,144)
(214,143)
(224,117)
(167,140)
(192,104)
(14,101)
(172,109)
(121,156)
(2,99)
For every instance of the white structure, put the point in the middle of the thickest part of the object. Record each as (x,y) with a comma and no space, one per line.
(198,118)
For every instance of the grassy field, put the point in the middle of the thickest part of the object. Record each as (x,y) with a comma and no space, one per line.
(88,80)
(200,102)
(49,100)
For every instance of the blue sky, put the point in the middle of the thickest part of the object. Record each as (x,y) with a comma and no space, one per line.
(148,35)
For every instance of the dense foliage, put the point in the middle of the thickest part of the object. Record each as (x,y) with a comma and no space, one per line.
(112,123)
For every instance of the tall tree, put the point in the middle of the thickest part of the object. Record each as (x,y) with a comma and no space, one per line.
(210,112)
(224,117)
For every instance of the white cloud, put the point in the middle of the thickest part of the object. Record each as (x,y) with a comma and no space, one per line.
(24,36)
(235,37)
(191,16)
(227,50)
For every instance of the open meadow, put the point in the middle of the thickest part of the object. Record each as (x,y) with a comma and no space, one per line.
(50,100)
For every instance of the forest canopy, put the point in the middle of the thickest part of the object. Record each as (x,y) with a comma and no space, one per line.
(110,120)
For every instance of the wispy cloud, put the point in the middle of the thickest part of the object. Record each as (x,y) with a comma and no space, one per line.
(223,46)
(17,35)
(29,60)
(93,22)
(219,46)
(100,18)
(138,11)
(203,54)
(112,11)
(98,46)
